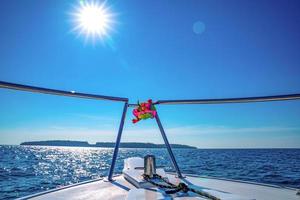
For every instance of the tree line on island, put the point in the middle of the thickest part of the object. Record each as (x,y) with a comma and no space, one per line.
(69,143)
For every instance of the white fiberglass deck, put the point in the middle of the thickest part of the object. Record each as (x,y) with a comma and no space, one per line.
(122,189)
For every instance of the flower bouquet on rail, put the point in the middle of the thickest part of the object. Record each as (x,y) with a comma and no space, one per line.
(143,111)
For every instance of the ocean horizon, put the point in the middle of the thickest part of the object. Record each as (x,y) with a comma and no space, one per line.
(204,148)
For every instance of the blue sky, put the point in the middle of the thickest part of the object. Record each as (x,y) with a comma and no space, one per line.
(243,48)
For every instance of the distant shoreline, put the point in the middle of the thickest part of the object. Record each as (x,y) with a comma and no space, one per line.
(199,148)
(68,143)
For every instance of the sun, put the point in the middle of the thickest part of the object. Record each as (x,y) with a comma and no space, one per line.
(93,19)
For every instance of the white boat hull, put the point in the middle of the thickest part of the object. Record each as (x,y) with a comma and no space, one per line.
(121,189)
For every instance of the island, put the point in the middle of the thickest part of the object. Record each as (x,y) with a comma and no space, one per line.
(69,143)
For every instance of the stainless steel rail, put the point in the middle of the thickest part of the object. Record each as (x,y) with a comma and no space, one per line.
(28,88)
(132,105)
(164,136)
(117,145)
(232,100)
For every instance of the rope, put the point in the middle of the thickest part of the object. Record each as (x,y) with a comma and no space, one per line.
(176,188)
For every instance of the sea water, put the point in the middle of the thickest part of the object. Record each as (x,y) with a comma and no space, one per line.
(26,170)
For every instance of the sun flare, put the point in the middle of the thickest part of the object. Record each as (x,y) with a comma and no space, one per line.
(93,20)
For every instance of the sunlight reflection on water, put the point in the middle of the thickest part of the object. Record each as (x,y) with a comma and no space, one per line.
(29,169)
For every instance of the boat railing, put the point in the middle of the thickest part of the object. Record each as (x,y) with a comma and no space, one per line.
(231,100)
(28,88)
(75,94)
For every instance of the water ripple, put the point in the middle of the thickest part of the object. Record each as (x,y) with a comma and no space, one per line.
(26,170)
